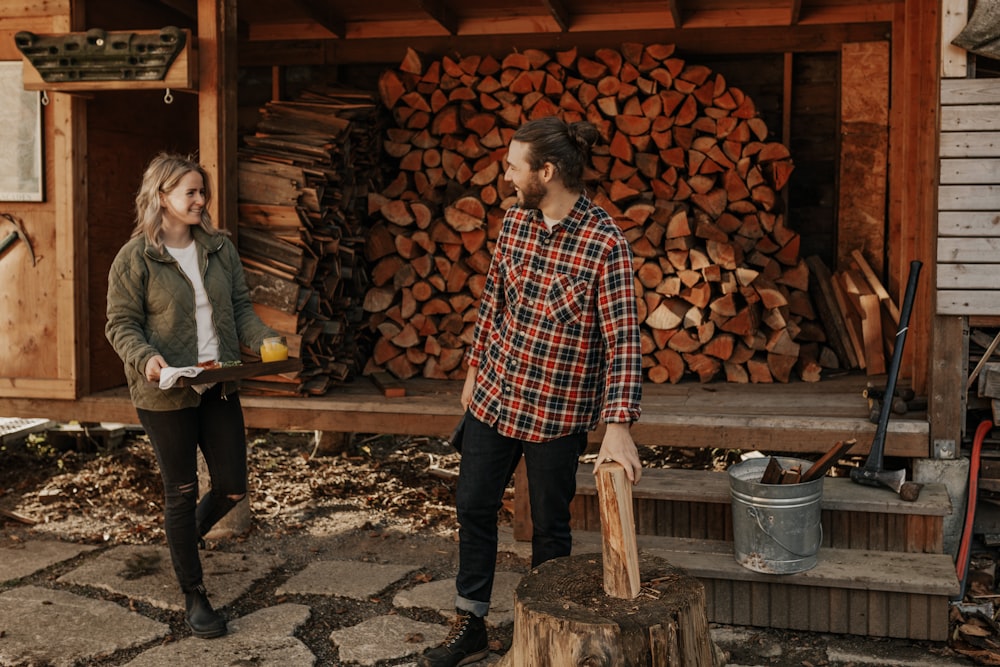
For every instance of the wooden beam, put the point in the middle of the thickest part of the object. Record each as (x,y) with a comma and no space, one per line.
(797,417)
(787,90)
(323,13)
(914,114)
(69,115)
(263,51)
(794,11)
(675,13)
(559,13)
(217,84)
(954,59)
(442,14)
(948,397)
(186,8)
(545,23)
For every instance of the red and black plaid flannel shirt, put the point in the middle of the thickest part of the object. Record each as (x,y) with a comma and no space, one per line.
(557,339)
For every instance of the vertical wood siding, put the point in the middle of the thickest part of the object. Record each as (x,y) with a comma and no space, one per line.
(968,248)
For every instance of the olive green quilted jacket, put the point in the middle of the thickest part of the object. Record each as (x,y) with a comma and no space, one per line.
(151,311)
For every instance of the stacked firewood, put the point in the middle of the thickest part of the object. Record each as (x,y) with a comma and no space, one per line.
(303,180)
(859,315)
(686,169)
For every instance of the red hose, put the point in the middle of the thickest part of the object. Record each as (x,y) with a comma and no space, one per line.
(970,509)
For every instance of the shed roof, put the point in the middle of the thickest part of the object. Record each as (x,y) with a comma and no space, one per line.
(376,19)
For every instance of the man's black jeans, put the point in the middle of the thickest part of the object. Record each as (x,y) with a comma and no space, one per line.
(488,459)
(216,426)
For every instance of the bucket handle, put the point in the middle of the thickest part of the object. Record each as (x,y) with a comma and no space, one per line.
(755,513)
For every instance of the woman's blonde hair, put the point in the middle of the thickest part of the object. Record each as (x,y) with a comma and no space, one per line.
(161,176)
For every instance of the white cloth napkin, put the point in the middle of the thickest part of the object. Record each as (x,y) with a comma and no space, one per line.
(170,375)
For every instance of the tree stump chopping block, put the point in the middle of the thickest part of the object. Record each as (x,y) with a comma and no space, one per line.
(616,609)
(563,618)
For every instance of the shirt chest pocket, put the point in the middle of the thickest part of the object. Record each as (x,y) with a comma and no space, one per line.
(566,299)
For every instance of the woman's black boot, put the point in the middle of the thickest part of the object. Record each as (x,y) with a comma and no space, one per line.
(204,621)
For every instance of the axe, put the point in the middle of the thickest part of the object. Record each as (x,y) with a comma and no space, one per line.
(872,473)
(18,233)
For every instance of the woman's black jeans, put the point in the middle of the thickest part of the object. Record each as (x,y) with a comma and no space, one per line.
(216,426)
(488,460)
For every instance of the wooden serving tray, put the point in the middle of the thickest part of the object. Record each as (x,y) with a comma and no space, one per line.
(245,370)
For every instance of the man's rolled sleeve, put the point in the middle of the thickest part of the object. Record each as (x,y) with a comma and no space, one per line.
(619,321)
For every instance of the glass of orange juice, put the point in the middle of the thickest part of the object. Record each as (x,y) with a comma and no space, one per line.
(274,349)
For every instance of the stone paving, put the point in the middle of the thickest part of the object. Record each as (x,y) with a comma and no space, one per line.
(91,628)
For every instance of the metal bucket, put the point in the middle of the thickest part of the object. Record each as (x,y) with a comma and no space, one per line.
(777,528)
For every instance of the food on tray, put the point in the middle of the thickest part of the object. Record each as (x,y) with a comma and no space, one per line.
(213,364)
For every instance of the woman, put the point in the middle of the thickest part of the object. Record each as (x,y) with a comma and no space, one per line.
(177,297)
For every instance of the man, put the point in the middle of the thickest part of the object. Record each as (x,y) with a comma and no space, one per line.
(555,351)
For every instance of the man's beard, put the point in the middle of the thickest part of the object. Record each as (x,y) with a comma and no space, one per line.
(533,193)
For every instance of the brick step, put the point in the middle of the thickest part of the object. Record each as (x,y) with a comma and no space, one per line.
(672,502)
(853,591)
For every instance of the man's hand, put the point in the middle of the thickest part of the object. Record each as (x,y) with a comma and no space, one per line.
(470,385)
(619,446)
(153,367)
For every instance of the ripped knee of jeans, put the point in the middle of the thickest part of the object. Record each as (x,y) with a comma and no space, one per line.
(182,494)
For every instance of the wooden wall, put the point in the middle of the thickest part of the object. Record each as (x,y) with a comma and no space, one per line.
(38,345)
(124,130)
(864,149)
(968,246)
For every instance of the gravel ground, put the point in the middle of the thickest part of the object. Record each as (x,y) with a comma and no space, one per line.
(380,498)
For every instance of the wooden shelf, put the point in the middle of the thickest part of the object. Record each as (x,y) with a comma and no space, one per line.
(182,75)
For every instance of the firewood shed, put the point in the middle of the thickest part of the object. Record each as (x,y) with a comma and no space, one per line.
(874,143)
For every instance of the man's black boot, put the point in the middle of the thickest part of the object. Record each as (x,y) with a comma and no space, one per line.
(204,621)
(466,643)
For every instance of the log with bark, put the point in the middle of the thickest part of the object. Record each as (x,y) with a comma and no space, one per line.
(563,617)
(303,181)
(687,169)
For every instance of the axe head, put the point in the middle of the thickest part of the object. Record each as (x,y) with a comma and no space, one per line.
(18,233)
(892,479)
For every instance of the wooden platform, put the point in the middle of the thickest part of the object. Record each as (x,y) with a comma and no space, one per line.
(696,504)
(794,417)
(853,591)
(880,572)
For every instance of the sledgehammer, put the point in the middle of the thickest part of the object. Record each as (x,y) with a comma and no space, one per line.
(872,473)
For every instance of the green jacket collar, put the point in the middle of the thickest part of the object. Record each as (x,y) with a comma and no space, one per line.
(209,242)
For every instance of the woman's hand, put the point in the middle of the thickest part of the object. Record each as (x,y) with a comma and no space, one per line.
(153,367)
(619,446)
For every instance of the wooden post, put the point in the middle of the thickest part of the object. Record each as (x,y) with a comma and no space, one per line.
(523,525)
(217,105)
(621,555)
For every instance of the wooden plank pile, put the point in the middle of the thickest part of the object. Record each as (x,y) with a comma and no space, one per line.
(859,315)
(686,169)
(303,180)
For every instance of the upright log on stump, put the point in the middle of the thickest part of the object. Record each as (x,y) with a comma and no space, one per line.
(566,615)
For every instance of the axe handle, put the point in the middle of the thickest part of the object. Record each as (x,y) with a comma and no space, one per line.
(10,238)
(875,455)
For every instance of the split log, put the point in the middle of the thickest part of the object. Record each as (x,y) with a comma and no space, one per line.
(301,225)
(621,555)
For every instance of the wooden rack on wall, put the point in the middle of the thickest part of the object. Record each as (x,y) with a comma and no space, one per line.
(181,75)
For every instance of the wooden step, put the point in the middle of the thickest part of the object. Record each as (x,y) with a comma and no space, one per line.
(854,591)
(672,502)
